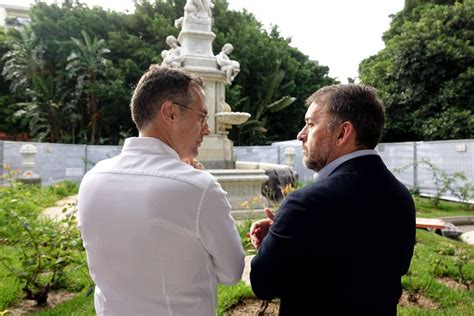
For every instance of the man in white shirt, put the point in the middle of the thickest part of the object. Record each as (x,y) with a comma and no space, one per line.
(158,232)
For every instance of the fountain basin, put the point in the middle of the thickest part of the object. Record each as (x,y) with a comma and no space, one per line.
(232,118)
(243,187)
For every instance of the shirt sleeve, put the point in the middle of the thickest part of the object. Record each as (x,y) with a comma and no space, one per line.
(218,235)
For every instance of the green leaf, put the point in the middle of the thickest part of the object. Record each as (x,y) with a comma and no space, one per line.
(281,104)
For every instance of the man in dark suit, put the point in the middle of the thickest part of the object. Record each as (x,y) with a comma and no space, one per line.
(340,245)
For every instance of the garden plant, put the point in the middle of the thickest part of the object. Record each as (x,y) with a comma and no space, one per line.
(39,254)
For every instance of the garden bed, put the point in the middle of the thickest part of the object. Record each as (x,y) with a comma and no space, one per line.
(438,275)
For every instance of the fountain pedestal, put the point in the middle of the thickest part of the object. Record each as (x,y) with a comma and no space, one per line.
(216,152)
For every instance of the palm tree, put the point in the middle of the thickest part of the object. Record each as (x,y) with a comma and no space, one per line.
(87,66)
(47,113)
(23,60)
(255,128)
(44,107)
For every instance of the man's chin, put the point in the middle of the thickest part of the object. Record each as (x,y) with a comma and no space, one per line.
(310,165)
(305,163)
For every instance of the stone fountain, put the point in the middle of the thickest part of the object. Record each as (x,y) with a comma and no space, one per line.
(192,52)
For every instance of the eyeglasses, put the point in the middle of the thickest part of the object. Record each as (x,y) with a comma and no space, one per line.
(204,116)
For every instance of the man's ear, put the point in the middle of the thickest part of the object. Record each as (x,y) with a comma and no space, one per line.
(346,133)
(168,112)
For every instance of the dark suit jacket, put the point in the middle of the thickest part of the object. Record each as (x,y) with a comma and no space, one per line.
(341,244)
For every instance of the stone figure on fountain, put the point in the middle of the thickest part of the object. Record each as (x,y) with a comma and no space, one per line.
(173,57)
(197,10)
(198,58)
(229,66)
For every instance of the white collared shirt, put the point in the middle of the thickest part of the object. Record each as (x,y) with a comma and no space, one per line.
(330,167)
(158,233)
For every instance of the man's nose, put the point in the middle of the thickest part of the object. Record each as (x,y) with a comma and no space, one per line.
(206,130)
(301,135)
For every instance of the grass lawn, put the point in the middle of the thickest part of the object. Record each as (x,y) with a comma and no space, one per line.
(435,258)
(424,208)
(83,305)
(10,290)
(425,272)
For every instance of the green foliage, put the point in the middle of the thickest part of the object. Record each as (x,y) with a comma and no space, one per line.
(457,183)
(243,228)
(23,60)
(437,257)
(91,94)
(425,73)
(10,289)
(48,250)
(87,66)
(442,180)
(19,209)
(270,70)
(425,208)
(63,189)
(414,290)
(64,90)
(231,295)
(81,305)
(462,261)
(434,257)
(28,201)
(47,113)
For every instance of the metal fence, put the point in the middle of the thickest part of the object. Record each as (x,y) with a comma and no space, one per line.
(56,162)
(411,162)
(419,165)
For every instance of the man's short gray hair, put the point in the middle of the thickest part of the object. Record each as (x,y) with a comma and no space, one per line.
(158,85)
(356,103)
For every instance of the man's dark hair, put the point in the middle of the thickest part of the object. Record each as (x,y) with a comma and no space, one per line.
(158,85)
(356,103)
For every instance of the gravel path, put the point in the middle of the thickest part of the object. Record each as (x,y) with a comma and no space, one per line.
(62,208)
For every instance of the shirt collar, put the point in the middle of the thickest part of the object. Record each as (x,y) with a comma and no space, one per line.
(149,145)
(330,167)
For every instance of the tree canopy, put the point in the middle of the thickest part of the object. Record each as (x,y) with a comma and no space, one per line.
(425,73)
(79,66)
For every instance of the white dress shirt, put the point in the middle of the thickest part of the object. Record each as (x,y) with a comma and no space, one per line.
(158,233)
(330,167)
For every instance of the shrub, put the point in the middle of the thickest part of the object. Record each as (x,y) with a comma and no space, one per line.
(48,249)
(457,183)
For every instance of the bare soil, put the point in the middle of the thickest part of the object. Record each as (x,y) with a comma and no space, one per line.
(29,306)
(250,307)
(422,302)
(453,284)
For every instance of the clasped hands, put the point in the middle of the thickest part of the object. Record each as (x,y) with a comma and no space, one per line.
(260,228)
(193,162)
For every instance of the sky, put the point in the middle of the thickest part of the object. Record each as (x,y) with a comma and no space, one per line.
(337,33)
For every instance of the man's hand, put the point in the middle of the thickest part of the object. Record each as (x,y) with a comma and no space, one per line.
(259,229)
(193,162)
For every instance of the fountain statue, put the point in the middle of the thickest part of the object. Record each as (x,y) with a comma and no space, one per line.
(172,57)
(195,55)
(230,67)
